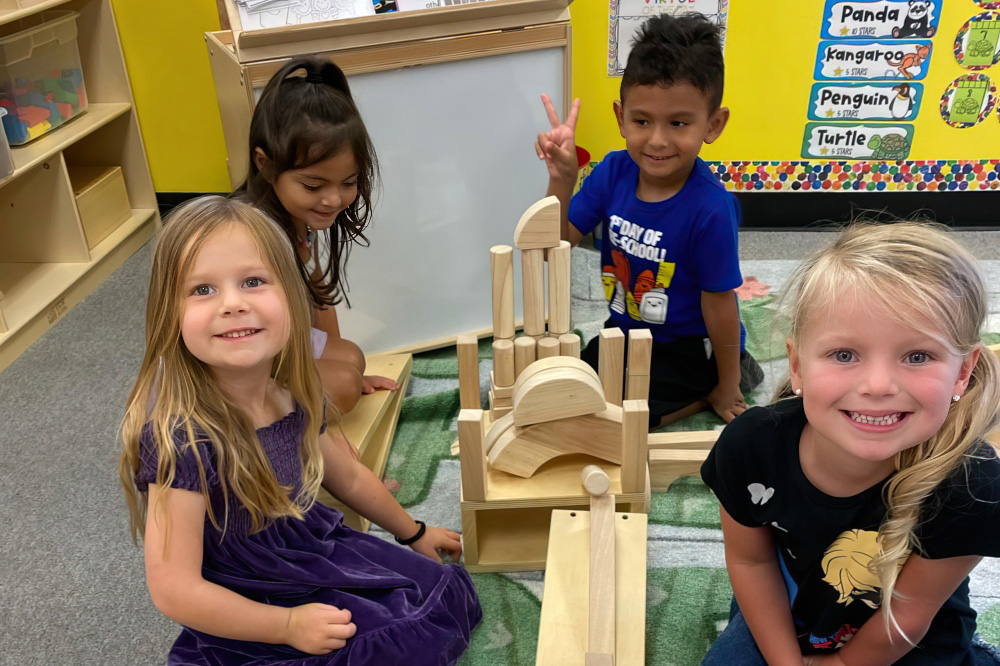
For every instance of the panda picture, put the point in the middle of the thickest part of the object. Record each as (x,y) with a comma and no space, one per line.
(917,20)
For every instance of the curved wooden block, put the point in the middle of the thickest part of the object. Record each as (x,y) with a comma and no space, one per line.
(522,450)
(543,364)
(499,427)
(556,393)
(538,228)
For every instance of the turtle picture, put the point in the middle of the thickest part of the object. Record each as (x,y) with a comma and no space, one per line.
(967,106)
(980,49)
(889,147)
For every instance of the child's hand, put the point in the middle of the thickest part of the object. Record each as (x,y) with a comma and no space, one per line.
(319,628)
(372,383)
(438,538)
(727,401)
(558,146)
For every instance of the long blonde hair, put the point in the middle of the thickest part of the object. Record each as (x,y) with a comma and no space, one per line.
(918,273)
(176,398)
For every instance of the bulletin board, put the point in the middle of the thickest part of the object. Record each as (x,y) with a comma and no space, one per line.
(830,95)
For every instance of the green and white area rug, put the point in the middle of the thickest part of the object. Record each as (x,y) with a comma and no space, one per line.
(687,590)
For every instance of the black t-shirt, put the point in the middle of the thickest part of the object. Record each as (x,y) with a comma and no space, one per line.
(825,543)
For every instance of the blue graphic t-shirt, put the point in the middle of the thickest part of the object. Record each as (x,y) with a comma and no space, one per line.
(657,258)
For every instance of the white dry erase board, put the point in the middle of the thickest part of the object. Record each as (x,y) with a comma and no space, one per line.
(455,145)
(451,98)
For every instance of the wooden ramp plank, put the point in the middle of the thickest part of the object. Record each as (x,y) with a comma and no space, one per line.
(563,630)
(371,425)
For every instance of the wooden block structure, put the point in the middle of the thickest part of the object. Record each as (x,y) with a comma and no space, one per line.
(552,418)
(594,601)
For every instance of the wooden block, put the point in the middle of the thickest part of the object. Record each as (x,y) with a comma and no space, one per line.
(500,412)
(569,345)
(602,586)
(595,480)
(594,659)
(559,288)
(522,450)
(468,372)
(371,425)
(499,402)
(555,393)
(666,466)
(538,228)
(502,273)
(548,347)
(565,617)
(524,354)
(500,391)
(692,439)
(503,362)
(640,348)
(533,291)
(472,454)
(611,363)
(556,362)
(635,430)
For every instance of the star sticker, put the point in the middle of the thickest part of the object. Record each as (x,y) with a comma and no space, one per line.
(823,151)
(829,113)
(838,72)
(844,31)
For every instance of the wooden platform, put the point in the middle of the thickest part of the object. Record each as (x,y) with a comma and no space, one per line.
(371,425)
(563,631)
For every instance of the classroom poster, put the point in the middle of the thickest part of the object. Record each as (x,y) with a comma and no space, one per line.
(627,15)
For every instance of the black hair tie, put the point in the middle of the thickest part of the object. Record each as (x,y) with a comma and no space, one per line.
(421,528)
(314,77)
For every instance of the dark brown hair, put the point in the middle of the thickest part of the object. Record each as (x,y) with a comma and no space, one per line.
(682,49)
(299,121)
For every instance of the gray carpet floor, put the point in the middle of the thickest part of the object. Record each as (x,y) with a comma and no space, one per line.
(72,587)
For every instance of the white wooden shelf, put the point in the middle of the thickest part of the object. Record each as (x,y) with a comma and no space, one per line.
(95,117)
(11,10)
(47,264)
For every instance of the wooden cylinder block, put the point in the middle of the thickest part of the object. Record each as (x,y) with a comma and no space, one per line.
(595,480)
(533,288)
(548,347)
(569,345)
(559,288)
(502,272)
(524,354)
(503,362)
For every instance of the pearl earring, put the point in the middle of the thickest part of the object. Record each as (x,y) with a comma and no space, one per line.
(797,391)
(956,398)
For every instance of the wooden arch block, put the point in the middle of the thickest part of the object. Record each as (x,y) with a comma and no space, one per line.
(538,228)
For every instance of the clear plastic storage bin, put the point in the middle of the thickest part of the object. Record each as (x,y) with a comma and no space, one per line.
(41,83)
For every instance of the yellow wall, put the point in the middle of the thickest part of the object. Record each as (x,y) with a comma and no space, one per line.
(167,61)
(770,56)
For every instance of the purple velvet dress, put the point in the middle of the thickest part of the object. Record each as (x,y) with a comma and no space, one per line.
(407,608)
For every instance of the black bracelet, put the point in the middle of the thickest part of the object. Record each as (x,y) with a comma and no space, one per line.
(421,528)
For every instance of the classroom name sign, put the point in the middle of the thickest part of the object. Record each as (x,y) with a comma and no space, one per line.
(865,101)
(857,142)
(872,60)
(897,19)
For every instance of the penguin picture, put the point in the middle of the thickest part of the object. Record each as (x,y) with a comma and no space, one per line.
(902,103)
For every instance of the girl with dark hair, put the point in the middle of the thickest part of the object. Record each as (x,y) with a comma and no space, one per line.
(313,170)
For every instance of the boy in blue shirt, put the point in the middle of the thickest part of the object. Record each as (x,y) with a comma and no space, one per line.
(669,250)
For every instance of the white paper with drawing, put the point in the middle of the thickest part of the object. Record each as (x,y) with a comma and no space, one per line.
(627,15)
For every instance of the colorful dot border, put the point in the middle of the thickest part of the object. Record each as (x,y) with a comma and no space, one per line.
(984,110)
(860,176)
(988,4)
(960,37)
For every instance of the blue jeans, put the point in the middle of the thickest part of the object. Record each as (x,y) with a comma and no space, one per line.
(735,646)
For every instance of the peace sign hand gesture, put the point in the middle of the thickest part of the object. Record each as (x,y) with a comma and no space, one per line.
(558,146)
